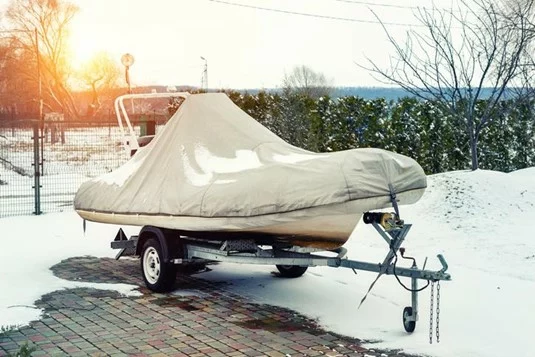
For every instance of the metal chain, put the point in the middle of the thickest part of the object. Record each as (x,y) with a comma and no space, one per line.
(438,313)
(431,312)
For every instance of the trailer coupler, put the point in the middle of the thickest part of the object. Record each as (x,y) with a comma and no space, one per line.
(393,230)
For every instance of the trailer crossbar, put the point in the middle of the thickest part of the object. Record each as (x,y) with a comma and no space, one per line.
(274,257)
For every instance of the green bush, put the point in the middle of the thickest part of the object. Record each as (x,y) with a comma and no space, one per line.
(419,129)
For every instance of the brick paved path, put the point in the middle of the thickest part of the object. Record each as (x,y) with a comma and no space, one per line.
(199,319)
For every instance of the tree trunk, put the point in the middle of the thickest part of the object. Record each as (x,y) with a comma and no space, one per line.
(473,150)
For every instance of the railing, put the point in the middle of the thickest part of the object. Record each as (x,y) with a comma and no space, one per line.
(129,137)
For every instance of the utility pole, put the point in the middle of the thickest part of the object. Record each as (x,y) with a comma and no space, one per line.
(40,93)
(205,73)
(40,82)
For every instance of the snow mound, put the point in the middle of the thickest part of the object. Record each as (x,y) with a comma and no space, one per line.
(481,215)
(525,173)
(480,200)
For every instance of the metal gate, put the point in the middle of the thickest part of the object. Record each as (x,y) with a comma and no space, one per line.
(42,167)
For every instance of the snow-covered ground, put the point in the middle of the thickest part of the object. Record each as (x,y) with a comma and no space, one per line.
(480,221)
(30,245)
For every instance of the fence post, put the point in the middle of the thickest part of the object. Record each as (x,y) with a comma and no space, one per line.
(36,173)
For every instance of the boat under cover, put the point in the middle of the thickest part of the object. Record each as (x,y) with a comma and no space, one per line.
(215,172)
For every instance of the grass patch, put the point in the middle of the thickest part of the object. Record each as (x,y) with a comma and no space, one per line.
(25,350)
(8,328)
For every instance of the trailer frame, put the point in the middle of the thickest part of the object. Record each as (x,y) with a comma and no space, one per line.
(175,249)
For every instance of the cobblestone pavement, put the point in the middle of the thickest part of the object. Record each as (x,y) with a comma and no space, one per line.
(206,319)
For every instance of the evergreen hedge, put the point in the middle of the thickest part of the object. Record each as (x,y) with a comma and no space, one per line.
(419,129)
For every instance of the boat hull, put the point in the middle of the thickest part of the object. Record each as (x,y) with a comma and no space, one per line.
(322,227)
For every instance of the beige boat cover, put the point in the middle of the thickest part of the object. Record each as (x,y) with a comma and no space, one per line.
(215,168)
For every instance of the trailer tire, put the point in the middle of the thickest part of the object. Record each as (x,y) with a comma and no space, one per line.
(291,271)
(409,325)
(158,276)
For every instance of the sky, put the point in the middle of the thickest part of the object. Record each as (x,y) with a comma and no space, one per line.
(244,47)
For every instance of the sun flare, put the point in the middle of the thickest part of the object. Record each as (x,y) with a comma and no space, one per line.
(83,45)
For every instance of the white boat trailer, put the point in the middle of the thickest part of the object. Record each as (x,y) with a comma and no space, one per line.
(161,249)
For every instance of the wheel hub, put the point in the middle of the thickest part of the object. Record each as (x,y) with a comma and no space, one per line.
(151,266)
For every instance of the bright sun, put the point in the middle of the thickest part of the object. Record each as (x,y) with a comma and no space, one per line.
(84,45)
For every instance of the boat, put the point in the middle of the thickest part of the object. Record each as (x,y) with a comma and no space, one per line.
(214,172)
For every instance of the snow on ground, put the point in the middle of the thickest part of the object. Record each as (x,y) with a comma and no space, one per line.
(480,221)
(31,245)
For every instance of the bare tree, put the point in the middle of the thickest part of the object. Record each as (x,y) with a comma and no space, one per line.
(304,80)
(101,74)
(468,58)
(49,20)
(18,92)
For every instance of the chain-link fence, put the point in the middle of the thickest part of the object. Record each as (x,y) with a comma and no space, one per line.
(58,159)
(16,167)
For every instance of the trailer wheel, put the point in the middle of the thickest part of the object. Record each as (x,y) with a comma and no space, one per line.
(409,325)
(158,275)
(291,271)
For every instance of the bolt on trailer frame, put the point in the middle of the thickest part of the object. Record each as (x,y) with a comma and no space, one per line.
(130,140)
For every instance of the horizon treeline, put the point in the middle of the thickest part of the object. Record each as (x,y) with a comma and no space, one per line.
(419,129)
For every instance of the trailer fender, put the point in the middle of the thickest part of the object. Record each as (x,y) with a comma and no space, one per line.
(168,238)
